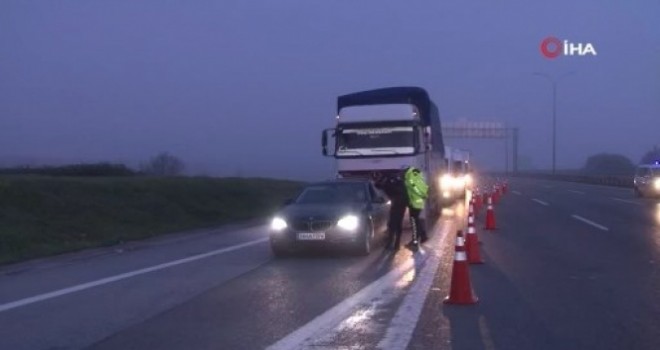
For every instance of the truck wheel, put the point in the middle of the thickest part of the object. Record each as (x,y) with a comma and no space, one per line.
(432,210)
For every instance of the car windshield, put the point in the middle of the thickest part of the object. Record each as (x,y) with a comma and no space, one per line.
(332,193)
(646,171)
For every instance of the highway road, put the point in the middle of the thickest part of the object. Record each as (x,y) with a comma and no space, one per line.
(571,266)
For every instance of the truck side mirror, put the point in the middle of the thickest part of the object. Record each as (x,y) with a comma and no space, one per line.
(324,143)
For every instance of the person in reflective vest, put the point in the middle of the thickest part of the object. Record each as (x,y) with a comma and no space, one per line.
(417,190)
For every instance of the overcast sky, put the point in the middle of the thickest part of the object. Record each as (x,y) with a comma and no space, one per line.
(247,86)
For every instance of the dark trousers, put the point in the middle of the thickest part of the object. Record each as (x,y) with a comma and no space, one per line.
(395,223)
(419,226)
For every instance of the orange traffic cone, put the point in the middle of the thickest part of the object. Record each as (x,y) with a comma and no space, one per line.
(472,243)
(505,187)
(490,216)
(460,291)
(496,194)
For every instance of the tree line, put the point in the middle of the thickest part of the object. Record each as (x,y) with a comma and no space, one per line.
(163,164)
(617,164)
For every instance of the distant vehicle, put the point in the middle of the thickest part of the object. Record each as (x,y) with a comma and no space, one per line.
(341,212)
(647,180)
(388,130)
(456,178)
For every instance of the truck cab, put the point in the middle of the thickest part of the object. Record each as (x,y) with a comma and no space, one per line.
(387,130)
(378,138)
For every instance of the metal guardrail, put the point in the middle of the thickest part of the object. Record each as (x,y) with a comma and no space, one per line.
(605,180)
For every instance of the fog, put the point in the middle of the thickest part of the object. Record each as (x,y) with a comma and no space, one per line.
(239,87)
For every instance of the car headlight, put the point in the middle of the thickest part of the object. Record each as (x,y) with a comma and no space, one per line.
(278,224)
(445,181)
(348,222)
(656,183)
(458,183)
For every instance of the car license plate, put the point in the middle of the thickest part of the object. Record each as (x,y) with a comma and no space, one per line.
(309,236)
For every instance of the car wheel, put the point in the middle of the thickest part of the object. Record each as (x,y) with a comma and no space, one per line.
(638,193)
(278,249)
(363,245)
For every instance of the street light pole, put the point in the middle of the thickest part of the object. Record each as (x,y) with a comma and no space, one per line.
(554,115)
(554,127)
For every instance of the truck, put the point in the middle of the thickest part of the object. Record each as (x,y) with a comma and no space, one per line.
(387,130)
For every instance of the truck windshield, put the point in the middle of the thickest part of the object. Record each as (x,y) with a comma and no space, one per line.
(376,141)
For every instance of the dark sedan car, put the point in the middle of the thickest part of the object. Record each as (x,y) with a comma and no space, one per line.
(348,213)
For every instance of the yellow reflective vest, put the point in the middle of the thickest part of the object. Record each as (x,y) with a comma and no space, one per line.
(416,187)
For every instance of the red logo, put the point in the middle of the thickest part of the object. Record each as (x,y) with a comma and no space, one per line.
(551,47)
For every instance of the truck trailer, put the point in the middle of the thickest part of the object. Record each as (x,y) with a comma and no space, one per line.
(387,130)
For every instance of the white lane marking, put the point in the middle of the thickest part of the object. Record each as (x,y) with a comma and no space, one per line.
(626,201)
(405,320)
(540,201)
(516,192)
(111,279)
(594,224)
(578,192)
(326,321)
(486,337)
(322,325)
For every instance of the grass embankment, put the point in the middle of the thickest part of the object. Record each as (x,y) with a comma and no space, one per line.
(42,216)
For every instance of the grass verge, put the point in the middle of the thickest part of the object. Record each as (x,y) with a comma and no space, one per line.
(41,216)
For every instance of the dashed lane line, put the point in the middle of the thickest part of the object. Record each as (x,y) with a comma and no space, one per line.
(626,201)
(540,201)
(592,223)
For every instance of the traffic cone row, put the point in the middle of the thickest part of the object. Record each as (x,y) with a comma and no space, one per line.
(467,248)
